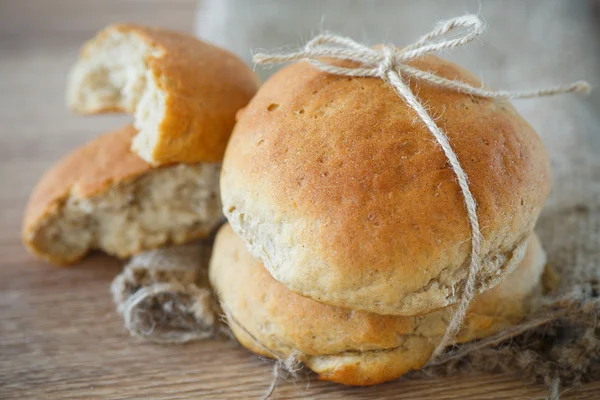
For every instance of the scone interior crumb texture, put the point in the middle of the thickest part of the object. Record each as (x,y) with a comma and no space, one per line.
(114,76)
(169,205)
(96,199)
(350,346)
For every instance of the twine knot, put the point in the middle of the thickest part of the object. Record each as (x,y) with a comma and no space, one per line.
(390,64)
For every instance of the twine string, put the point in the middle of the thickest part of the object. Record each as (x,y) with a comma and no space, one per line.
(290,363)
(389,64)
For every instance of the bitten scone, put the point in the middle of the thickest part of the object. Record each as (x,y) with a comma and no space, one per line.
(349,346)
(344,194)
(102,196)
(184,93)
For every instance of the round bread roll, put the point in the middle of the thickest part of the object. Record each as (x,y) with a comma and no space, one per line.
(344,345)
(183,92)
(347,198)
(102,196)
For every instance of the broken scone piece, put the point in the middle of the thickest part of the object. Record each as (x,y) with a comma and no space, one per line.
(350,346)
(183,93)
(164,295)
(102,196)
(347,200)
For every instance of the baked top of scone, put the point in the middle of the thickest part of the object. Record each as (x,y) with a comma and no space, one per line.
(345,195)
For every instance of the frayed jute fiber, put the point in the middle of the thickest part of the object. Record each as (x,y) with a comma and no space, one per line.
(558,344)
(164,295)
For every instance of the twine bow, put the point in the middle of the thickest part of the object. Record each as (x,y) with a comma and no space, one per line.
(390,64)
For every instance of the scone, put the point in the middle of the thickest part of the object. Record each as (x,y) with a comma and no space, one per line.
(184,93)
(102,196)
(345,195)
(350,346)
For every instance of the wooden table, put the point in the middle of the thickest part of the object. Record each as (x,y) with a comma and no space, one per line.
(60,336)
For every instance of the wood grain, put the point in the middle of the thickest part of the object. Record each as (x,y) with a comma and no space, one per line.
(60,337)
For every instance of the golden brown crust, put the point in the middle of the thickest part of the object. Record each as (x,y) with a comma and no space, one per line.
(349,200)
(204,85)
(113,162)
(369,348)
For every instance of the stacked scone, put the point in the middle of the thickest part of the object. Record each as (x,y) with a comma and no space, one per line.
(348,242)
(152,183)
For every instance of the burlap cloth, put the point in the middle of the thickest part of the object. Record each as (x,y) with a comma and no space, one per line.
(164,295)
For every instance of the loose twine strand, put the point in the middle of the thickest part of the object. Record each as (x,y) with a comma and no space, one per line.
(553,309)
(290,363)
(389,64)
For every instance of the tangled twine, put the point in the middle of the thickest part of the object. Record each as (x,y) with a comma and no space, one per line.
(130,309)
